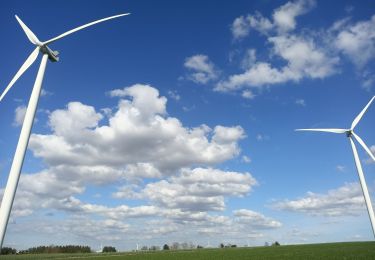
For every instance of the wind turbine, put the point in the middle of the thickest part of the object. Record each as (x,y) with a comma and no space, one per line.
(14,175)
(350,134)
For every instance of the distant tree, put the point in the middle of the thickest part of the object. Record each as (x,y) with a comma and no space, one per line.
(165,247)
(184,246)
(154,248)
(222,245)
(199,247)
(233,245)
(52,249)
(144,248)
(109,249)
(276,244)
(8,251)
(175,246)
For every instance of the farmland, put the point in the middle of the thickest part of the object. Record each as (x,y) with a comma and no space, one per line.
(348,250)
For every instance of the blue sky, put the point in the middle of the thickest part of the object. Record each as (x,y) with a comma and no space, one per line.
(176,123)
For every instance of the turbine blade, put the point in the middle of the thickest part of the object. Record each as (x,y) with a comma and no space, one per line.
(32,37)
(82,27)
(362,180)
(360,141)
(328,130)
(30,60)
(358,118)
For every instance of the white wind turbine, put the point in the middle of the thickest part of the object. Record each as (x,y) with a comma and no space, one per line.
(350,134)
(10,190)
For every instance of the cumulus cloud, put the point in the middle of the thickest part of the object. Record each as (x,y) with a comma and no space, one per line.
(19,115)
(201,69)
(242,25)
(183,202)
(303,57)
(246,159)
(248,94)
(372,149)
(343,201)
(357,41)
(174,95)
(45,93)
(255,219)
(283,19)
(199,189)
(76,117)
(303,52)
(340,168)
(142,154)
(249,59)
(138,132)
(300,102)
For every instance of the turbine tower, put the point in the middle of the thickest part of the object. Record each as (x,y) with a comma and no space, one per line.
(350,134)
(14,175)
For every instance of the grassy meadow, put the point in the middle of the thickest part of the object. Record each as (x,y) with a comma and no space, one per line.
(349,250)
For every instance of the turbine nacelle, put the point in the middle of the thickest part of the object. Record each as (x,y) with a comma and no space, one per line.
(52,55)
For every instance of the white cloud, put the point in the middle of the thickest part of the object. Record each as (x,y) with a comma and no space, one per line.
(240,27)
(357,41)
(139,142)
(129,191)
(304,60)
(300,102)
(340,168)
(255,219)
(304,57)
(246,159)
(284,17)
(262,137)
(248,94)
(125,230)
(19,115)
(106,111)
(77,117)
(372,148)
(343,201)
(45,93)
(146,101)
(249,59)
(201,69)
(174,95)
(258,75)
(182,203)
(302,54)
(199,189)
(138,132)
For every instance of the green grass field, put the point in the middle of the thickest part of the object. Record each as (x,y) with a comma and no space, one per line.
(351,250)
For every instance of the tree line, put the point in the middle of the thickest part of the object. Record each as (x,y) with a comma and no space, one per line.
(52,249)
(70,249)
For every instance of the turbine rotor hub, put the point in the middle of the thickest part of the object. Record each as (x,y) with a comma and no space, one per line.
(52,55)
(349,133)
